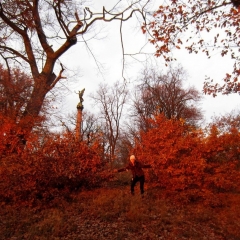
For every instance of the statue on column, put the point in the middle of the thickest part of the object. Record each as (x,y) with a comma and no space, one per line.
(80,94)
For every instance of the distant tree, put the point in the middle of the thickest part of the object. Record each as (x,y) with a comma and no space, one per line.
(36,33)
(124,147)
(111,101)
(15,92)
(164,93)
(91,127)
(222,139)
(219,20)
(227,122)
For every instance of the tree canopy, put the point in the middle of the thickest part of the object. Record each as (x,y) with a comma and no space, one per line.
(164,93)
(199,26)
(36,33)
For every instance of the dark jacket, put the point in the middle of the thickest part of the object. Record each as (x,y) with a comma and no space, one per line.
(136,168)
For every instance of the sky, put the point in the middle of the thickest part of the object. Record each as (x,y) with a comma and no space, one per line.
(103,63)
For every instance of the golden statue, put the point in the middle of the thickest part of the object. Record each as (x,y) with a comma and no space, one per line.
(80,94)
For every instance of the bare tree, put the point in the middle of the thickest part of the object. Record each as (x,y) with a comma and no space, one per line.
(111,101)
(164,93)
(91,127)
(36,33)
(124,148)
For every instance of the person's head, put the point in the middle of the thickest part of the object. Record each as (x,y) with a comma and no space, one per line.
(132,159)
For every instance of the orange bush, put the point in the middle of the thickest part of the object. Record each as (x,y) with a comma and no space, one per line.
(49,170)
(174,152)
(183,159)
(221,152)
(8,136)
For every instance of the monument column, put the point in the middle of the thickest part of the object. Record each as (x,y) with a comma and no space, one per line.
(79,116)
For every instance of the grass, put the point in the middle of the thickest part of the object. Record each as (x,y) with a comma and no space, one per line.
(112,213)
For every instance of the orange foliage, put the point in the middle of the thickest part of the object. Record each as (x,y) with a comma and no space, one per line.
(15,92)
(222,150)
(183,159)
(223,146)
(217,19)
(9,136)
(172,149)
(37,164)
(48,170)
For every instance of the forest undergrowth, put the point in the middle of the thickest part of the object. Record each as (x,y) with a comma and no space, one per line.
(110,212)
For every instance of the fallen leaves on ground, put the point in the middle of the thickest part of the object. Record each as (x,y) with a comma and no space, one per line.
(112,213)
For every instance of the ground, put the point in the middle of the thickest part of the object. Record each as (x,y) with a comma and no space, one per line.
(112,213)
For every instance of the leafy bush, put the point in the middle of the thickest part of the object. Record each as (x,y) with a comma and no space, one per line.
(54,169)
(182,158)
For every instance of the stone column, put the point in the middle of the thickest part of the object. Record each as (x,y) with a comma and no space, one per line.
(79,116)
(79,122)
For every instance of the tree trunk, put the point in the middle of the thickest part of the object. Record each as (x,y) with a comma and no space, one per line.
(31,113)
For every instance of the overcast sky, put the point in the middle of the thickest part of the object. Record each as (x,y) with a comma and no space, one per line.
(107,52)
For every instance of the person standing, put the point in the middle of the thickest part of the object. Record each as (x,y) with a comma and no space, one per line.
(137,173)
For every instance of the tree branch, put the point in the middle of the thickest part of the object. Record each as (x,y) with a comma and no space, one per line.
(41,35)
(58,77)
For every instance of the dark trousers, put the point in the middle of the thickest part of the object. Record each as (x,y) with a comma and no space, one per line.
(135,180)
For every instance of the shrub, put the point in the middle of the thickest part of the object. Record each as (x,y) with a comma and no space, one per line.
(49,171)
